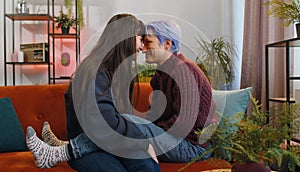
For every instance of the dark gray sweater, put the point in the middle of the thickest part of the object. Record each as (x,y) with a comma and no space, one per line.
(106,106)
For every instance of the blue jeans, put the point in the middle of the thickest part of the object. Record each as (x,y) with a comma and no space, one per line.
(168,148)
(90,158)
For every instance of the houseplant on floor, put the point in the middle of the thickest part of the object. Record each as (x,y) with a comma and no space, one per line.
(256,140)
(288,10)
(215,58)
(64,21)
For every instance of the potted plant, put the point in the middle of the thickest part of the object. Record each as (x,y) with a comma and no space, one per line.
(145,72)
(215,58)
(256,140)
(289,11)
(64,21)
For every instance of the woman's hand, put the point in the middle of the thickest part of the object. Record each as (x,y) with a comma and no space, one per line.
(152,154)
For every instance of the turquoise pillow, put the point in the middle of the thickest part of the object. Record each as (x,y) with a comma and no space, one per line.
(231,102)
(12,136)
(228,104)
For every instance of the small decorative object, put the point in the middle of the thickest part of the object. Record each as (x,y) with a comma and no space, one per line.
(288,10)
(22,7)
(21,56)
(65,59)
(65,22)
(65,62)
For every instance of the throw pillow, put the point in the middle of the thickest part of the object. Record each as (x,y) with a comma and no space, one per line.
(228,103)
(12,136)
(231,102)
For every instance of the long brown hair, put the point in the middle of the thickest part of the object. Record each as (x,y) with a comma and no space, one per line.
(119,38)
(118,42)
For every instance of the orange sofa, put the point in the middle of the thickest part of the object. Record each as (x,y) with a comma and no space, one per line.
(35,104)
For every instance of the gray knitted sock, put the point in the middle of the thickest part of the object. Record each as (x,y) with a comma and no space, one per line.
(45,156)
(49,137)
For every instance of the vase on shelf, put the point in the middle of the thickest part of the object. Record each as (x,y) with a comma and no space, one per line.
(65,30)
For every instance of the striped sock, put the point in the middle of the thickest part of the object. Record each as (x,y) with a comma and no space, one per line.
(49,137)
(45,156)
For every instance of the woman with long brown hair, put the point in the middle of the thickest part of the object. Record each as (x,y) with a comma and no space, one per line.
(95,101)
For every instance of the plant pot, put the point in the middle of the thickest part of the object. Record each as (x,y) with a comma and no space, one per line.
(285,166)
(65,30)
(249,167)
(145,79)
(298,30)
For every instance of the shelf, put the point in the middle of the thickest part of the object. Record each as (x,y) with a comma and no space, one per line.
(287,46)
(295,78)
(294,42)
(63,36)
(62,78)
(40,17)
(296,140)
(292,100)
(46,18)
(27,63)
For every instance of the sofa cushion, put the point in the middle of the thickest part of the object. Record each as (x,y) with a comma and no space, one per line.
(228,103)
(13,138)
(35,104)
(231,102)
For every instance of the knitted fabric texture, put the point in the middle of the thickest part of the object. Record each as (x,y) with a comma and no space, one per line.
(192,87)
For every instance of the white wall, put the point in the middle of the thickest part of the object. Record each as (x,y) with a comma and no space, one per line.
(209,19)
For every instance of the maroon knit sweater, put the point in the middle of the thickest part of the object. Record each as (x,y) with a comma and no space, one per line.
(188,96)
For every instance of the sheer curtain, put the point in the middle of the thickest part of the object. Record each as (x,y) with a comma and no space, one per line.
(259,30)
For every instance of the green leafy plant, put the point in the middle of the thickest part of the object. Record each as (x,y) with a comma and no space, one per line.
(145,72)
(80,17)
(257,137)
(215,58)
(288,10)
(64,20)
